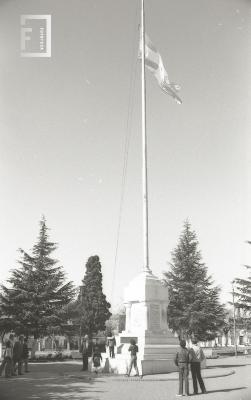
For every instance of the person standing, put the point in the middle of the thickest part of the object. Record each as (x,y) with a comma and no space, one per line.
(86,351)
(12,341)
(181,361)
(8,359)
(25,354)
(7,363)
(133,361)
(196,356)
(111,342)
(18,355)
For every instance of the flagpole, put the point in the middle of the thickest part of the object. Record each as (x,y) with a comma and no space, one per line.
(146,267)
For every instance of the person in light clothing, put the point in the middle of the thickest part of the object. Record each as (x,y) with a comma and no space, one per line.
(7,365)
(133,361)
(196,356)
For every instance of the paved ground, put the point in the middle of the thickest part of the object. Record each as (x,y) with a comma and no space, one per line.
(225,379)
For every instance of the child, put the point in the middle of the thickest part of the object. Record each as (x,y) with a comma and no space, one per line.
(8,359)
(133,361)
(181,360)
(96,357)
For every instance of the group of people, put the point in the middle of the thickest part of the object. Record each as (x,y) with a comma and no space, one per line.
(193,357)
(183,359)
(88,349)
(16,354)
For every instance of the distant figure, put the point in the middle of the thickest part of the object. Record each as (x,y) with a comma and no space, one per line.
(111,342)
(18,355)
(133,361)
(86,351)
(12,340)
(196,355)
(96,359)
(7,364)
(25,354)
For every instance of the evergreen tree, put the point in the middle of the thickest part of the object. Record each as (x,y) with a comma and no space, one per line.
(242,300)
(194,308)
(116,322)
(92,304)
(35,299)
(243,292)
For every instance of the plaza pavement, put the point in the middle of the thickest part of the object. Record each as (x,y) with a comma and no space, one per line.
(225,379)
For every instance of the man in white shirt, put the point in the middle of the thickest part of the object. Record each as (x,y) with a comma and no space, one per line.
(196,355)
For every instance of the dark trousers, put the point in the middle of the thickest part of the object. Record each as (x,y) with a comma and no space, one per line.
(25,361)
(196,375)
(8,367)
(133,362)
(17,365)
(85,362)
(183,376)
(111,351)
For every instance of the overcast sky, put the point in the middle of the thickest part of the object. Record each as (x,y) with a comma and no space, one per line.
(64,122)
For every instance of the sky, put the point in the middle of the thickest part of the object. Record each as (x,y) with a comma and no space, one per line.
(67,123)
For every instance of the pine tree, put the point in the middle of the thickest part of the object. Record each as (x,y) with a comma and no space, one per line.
(35,300)
(242,300)
(93,307)
(194,308)
(243,291)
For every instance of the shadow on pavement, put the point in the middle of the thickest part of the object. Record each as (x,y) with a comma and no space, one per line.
(69,389)
(226,366)
(55,387)
(226,390)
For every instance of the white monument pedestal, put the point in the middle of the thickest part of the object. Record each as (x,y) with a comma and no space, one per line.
(146,301)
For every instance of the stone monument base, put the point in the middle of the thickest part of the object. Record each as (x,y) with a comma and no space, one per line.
(156,353)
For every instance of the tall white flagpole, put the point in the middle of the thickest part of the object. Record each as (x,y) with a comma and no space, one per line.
(146,267)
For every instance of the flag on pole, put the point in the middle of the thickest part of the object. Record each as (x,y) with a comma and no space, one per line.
(154,63)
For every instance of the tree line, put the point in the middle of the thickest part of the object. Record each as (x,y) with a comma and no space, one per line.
(38,300)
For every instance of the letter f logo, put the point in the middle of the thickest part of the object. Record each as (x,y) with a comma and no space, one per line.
(24,33)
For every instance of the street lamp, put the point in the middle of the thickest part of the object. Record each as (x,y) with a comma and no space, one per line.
(235,341)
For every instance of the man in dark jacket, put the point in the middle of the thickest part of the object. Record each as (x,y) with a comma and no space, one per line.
(25,354)
(111,342)
(18,354)
(181,360)
(86,352)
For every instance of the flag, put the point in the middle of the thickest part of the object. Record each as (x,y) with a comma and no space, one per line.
(154,63)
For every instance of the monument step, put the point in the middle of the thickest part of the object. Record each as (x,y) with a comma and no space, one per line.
(158,366)
(157,356)
(160,349)
(162,340)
